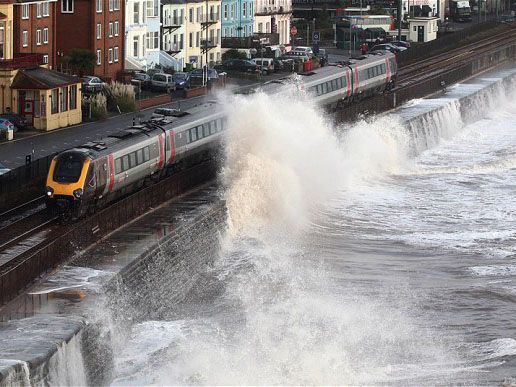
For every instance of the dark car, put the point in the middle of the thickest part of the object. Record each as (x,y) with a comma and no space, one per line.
(240,65)
(387,47)
(182,80)
(18,120)
(400,43)
(142,80)
(196,77)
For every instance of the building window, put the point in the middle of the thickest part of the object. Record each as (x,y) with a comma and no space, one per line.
(2,40)
(152,40)
(150,8)
(191,40)
(225,11)
(117,28)
(25,11)
(46,8)
(39,12)
(99,57)
(111,5)
(67,6)
(115,54)
(45,35)
(244,10)
(136,48)
(190,16)
(110,55)
(25,38)
(99,31)
(54,101)
(64,99)
(110,29)
(38,37)
(73,97)
(116,6)
(99,6)
(45,59)
(136,13)
(197,39)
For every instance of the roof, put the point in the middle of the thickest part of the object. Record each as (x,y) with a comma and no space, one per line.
(42,78)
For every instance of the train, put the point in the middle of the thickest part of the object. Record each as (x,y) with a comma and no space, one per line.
(89,177)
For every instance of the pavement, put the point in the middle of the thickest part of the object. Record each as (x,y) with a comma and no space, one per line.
(42,144)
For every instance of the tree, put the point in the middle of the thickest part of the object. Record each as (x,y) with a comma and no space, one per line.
(234,54)
(81,60)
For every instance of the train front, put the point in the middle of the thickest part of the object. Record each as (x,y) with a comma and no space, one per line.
(67,183)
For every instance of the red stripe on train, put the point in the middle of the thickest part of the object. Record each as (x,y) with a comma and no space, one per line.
(172,146)
(357,80)
(111,173)
(161,150)
(348,78)
(388,70)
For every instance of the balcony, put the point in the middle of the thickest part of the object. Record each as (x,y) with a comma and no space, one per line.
(22,61)
(273,10)
(173,22)
(210,18)
(256,41)
(173,49)
(207,45)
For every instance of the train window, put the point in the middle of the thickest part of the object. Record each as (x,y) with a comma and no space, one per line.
(319,89)
(383,68)
(68,168)
(125,163)
(199,132)
(132,160)
(118,165)
(335,84)
(213,127)
(324,88)
(146,154)
(139,156)
(193,134)
(167,141)
(205,130)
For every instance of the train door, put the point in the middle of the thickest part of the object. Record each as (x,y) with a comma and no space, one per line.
(101,175)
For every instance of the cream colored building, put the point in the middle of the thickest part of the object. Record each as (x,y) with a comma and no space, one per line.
(273,16)
(48,99)
(192,31)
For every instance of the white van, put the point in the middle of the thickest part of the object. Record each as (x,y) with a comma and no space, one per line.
(266,64)
(162,81)
(306,50)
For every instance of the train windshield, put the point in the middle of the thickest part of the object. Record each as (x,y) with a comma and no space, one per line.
(68,168)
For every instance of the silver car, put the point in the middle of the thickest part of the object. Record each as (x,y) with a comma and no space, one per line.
(163,82)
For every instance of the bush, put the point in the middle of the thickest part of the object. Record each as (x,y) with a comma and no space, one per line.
(234,54)
(123,96)
(98,105)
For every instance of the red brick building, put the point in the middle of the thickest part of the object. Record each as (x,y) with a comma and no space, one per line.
(96,25)
(34,28)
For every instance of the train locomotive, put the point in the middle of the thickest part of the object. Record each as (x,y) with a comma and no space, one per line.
(88,177)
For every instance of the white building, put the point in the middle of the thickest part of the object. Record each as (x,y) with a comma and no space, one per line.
(273,16)
(173,21)
(432,7)
(142,34)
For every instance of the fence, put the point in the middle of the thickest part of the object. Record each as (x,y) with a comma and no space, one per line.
(20,184)
(447,42)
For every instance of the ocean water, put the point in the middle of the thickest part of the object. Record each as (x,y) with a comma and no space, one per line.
(382,253)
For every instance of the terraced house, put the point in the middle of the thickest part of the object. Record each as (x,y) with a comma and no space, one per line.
(192,32)
(95,25)
(36,22)
(47,98)
(273,16)
(237,18)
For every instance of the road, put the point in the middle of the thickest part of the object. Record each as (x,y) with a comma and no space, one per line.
(12,154)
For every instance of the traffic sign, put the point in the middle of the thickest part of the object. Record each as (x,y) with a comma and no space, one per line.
(293,31)
(316,36)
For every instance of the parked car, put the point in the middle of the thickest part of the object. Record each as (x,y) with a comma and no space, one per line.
(197,75)
(5,125)
(3,169)
(165,112)
(305,50)
(283,65)
(400,43)
(142,80)
(92,84)
(182,80)
(18,120)
(296,56)
(240,65)
(266,64)
(162,81)
(387,47)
